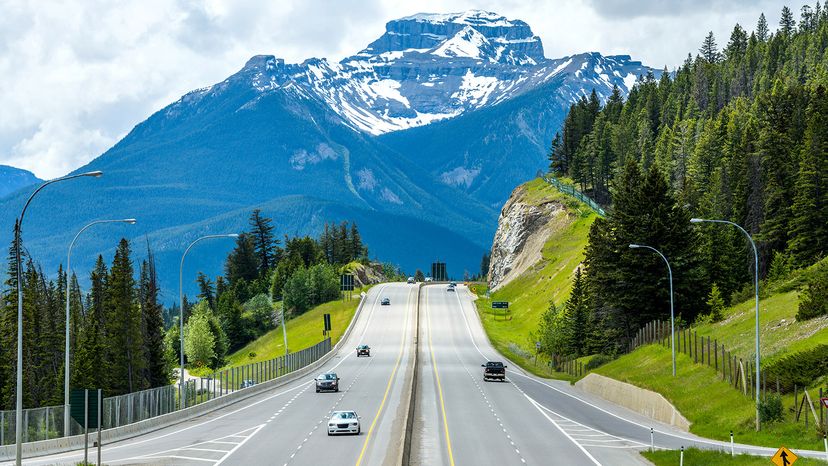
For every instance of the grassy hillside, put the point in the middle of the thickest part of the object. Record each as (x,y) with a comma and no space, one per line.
(303,331)
(529,294)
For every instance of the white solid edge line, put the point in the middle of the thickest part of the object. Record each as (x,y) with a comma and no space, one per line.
(239,445)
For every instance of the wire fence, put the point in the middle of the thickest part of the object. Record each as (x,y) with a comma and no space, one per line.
(571,191)
(47,422)
(737,371)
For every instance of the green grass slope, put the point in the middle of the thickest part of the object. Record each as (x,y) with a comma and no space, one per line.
(530,293)
(303,331)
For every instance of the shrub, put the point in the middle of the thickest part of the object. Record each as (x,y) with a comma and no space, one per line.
(597,361)
(801,369)
(814,298)
(770,409)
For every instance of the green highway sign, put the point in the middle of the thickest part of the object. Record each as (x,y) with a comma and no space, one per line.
(77,400)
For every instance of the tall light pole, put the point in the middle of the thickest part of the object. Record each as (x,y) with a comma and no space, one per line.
(18,428)
(130,221)
(756,290)
(181,393)
(672,314)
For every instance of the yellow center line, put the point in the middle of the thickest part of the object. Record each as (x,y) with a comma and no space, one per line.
(437,378)
(390,383)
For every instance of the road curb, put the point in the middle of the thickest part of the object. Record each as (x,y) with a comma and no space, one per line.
(117,434)
(412,399)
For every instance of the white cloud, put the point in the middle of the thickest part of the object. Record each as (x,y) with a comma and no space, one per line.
(76,76)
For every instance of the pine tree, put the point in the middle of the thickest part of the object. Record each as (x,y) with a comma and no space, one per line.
(762,28)
(206,292)
(242,263)
(264,242)
(708,50)
(359,250)
(809,221)
(786,22)
(555,156)
(156,373)
(737,46)
(124,324)
(577,310)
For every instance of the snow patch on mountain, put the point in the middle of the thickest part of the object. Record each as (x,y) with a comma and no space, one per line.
(460,176)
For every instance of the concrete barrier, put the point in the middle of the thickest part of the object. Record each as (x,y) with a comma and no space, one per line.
(640,400)
(405,457)
(75,442)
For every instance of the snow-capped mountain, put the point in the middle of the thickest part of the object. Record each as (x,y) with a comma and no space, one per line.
(419,138)
(430,67)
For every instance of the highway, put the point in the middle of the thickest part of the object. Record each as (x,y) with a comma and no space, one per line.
(459,419)
(287,425)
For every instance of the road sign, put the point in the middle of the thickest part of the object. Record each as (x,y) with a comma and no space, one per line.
(537,345)
(77,400)
(784,457)
(346,282)
(438,271)
(500,304)
(824,401)
(327,318)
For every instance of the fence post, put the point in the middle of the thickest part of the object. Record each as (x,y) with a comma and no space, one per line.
(695,346)
(716,354)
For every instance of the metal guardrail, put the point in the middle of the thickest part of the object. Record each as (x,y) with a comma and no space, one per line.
(46,423)
(571,191)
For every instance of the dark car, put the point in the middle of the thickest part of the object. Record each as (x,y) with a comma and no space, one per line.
(450,288)
(385,302)
(363,350)
(494,370)
(327,382)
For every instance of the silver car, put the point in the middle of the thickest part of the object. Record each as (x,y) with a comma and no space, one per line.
(344,422)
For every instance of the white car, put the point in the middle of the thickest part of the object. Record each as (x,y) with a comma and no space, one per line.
(344,422)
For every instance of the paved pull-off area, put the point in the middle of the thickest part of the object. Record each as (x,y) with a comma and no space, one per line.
(458,419)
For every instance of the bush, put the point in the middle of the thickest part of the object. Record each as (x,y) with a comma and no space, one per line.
(597,361)
(770,409)
(801,369)
(814,298)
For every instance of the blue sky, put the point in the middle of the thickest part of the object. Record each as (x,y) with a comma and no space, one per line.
(76,76)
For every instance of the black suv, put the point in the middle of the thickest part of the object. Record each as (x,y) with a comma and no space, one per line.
(327,382)
(494,370)
(363,350)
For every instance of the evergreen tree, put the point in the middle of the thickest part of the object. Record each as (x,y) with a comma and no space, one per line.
(359,250)
(786,22)
(419,276)
(762,28)
(242,263)
(206,292)
(124,324)
(156,373)
(577,311)
(555,155)
(709,50)
(264,242)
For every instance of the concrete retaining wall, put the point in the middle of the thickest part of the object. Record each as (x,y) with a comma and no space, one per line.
(75,442)
(642,401)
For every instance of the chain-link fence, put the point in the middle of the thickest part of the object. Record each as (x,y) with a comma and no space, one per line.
(571,191)
(47,422)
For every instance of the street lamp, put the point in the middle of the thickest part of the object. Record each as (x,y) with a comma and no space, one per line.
(672,315)
(18,428)
(131,221)
(756,289)
(181,393)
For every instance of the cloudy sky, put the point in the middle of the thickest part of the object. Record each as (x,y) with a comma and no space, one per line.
(76,76)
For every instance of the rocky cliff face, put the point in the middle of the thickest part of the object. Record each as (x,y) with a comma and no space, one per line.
(522,229)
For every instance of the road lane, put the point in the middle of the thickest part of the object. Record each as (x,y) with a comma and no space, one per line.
(287,425)
(478,422)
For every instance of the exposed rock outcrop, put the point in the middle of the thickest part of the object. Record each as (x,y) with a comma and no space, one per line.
(522,229)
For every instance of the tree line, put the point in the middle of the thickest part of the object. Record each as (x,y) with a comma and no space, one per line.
(261,270)
(116,330)
(739,134)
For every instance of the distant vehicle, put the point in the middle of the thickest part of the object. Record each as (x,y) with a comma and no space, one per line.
(453,284)
(344,422)
(327,382)
(428,279)
(385,302)
(363,350)
(410,280)
(494,370)
(450,288)
(246,383)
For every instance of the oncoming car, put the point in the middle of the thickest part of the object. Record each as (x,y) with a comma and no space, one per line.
(344,422)
(385,302)
(363,350)
(328,382)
